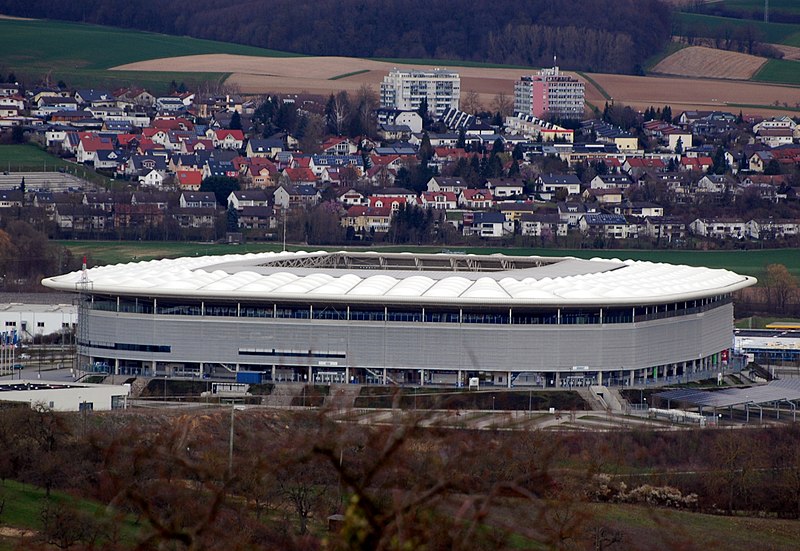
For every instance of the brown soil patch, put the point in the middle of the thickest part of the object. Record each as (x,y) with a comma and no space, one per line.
(789,52)
(14,18)
(259,75)
(10,532)
(699,61)
(692,93)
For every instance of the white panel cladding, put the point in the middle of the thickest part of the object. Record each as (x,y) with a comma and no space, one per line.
(416,345)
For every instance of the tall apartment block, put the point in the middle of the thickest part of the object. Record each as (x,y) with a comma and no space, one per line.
(549,93)
(405,89)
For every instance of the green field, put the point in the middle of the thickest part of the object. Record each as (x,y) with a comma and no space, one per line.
(751,262)
(779,71)
(756,7)
(29,158)
(707,26)
(23,503)
(80,54)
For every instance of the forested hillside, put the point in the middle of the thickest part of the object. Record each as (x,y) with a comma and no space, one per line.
(598,35)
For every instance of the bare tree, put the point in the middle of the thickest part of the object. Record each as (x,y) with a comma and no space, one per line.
(502,104)
(780,286)
(471,103)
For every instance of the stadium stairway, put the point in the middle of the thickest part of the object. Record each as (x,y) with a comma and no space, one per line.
(342,396)
(282,394)
(610,399)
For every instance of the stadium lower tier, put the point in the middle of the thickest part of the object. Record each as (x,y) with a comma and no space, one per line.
(368,344)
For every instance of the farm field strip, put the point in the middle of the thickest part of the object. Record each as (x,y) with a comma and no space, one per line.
(699,61)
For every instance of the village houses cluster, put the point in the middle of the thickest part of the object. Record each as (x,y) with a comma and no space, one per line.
(669,180)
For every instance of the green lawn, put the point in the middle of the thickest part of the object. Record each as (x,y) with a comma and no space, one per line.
(757,322)
(751,262)
(779,71)
(707,25)
(23,503)
(756,7)
(80,54)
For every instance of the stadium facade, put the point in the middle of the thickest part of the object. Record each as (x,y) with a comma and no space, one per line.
(407,318)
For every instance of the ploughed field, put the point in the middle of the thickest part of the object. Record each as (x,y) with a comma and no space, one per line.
(325,75)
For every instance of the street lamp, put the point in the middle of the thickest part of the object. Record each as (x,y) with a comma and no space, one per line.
(492,403)
(165,388)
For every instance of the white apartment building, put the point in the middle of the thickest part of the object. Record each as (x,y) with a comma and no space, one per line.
(549,93)
(405,90)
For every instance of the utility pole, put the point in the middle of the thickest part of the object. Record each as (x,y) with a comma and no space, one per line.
(230,443)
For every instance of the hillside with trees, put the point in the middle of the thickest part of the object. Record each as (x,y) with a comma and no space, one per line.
(592,35)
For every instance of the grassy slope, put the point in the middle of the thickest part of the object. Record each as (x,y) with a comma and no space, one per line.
(757,6)
(744,262)
(779,71)
(81,54)
(29,158)
(706,25)
(23,502)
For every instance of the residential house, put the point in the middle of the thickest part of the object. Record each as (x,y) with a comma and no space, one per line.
(189,179)
(89,144)
(226,139)
(443,183)
(257,219)
(505,188)
(339,146)
(640,209)
(268,147)
(610,226)
(195,200)
(610,196)
(249,198)
(352,197)
(669,229)
(514,210)
(611,181)
(368,219)
(775,137)
(719,228)
(548,185)
(440,200)
(488,224)
(289,196)
(542,225)
(769,228)
(11,198)
(475,199)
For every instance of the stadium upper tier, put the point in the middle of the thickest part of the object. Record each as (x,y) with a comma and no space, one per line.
(445,278)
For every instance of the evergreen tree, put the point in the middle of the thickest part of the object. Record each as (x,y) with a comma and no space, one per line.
(462,138)
(666,114)
(720,164)
(498,146)
(221,186)
(679,146)
(232,218)
(422,110)
(517,154)
(425,149)
(236,121)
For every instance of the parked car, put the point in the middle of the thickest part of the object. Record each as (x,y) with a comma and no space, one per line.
(18,366)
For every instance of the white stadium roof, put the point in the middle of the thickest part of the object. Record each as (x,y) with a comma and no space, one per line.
(406,277)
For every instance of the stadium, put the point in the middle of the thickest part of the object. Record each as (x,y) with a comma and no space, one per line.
(403,318)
